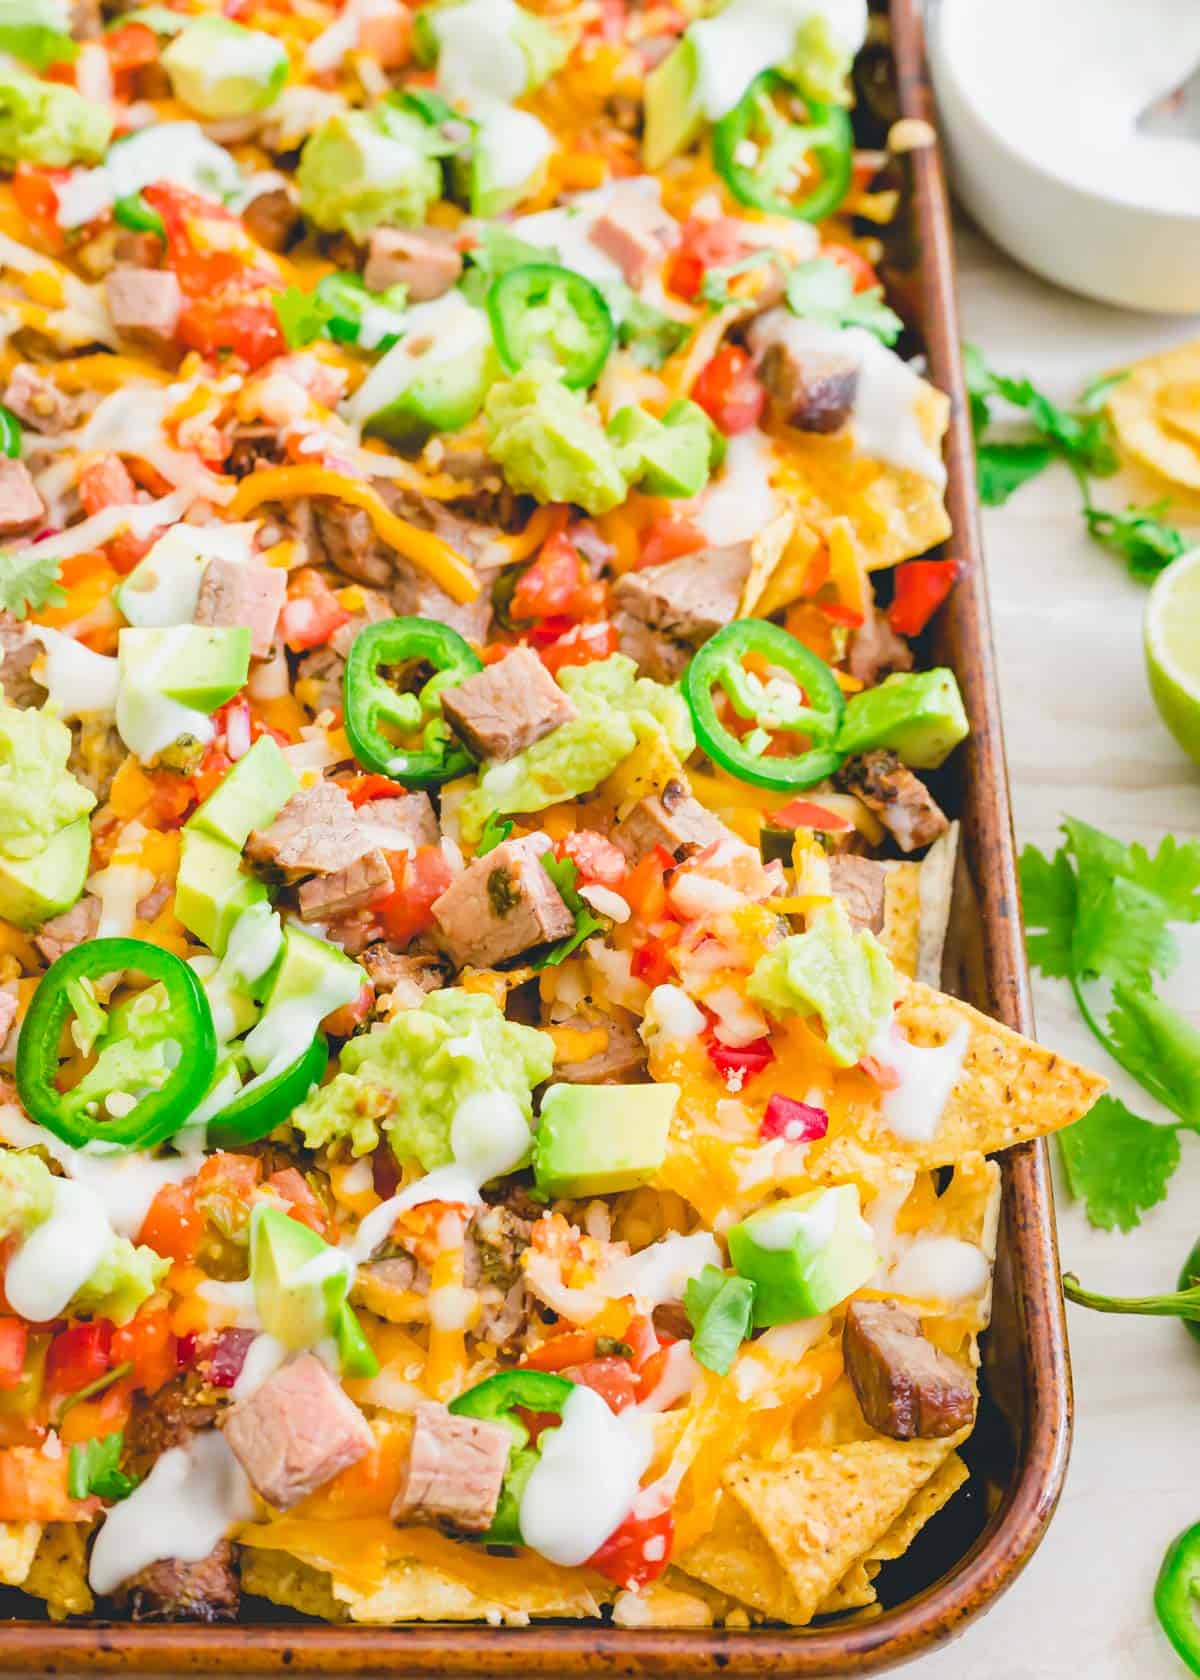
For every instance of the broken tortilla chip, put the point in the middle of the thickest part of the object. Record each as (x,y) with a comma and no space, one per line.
(735,1558)
(924,1505)
(1155,411)
(901,916)
(935,895)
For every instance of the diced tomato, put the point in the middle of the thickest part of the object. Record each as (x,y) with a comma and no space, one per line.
(638,1550)
(36,193)
(360,790)
(612,1378)
(417,881)
(668,538)
(385,34)
(746,1059)
(14,1336)
(651,962)
(104,483)
(557,585)
(643,887)
(806,813)
(730,392)
(921,587)
(573,1347)
(172,801)
(214,767)
(311,613)
(78,1355)
(861,272)
(704,244)
(130,46)
(146,1342)
(643,1340)
(594,856)
(303,1204)
(245,324)
(798,1122)
(582,644)
(173,1226)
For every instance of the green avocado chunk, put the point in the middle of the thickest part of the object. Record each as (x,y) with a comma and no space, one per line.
(805,1254)
(212,889)
(251,795)
(674,116)
(32,889)
(668,457)
(49,124)
(221,69)
(917,714)
(362,170)
(197,665)
(550,443)
(312,979)
(594,1140)
(44,837)
(301,1311)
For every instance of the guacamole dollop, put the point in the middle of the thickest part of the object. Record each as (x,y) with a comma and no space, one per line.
(550,442)
(38,794)
(49,124)
(411,1077)
(617,708)
(126,1276)
(26,1193)
(829,970)
(361,170)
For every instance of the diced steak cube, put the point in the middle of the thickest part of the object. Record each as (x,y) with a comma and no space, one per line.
(671,819)
(688,599)
(63,932)
(359,884)
(814,392)
(876,651)
(402,824)
(414,594)
(907,1388)
(274,219)
(655,655)
(21,508)
(506,707)
(144,303)
(136,250)
(243,592)
(455,1469)
(19,647)
(503,904)
(317,832)
(621,1062)
(172,1591)
(415,973)
(902,802)
(426,260)
(495,1243)
(37,401)
(296,1432)
(859,882)
(636,233)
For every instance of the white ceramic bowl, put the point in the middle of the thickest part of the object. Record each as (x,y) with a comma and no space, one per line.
(1105,248)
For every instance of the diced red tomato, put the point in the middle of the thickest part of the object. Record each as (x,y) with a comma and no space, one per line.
(594,856)
(557,585)
(806,813)
(173,1225)
(644,888)
(668,538)
(921,587)
(638,1550)
(36,194)
(730,392)
(130,46)
(106,482)
(704,244)
(651,962)
(146,1342)
(214,767)
(572,1347)
(303,1204)
(78,1355)
(861,272)
(417,881)
(798,1122)
(311,613)
(360,790)
(582,644)
(612,1378)
(14,1335)
(746,1059)
(245,324)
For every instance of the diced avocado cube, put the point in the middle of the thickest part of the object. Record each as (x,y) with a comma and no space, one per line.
(674,116)
(31,889)
(212,889)
(667,457)
(917,714)
(222,70)
(164,586)
(312,978)
(594,1140)
(251,795)
(805,1254)
(441,394)
(507,162)
(194,664)
(299,1314)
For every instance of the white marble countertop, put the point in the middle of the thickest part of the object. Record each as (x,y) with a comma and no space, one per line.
(1084,738)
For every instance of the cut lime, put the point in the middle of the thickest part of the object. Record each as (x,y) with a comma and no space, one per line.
(1172,636)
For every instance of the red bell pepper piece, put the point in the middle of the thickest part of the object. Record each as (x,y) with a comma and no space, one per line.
(798,1122)
(638,1550)
(921,587)
(746,1059)
(173,1225)
(806,813)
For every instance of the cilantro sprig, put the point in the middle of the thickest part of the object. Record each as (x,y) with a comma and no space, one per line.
(823,290)
(564,874)
(29,579)
(720,1306)
(94,1468)
(1099,915)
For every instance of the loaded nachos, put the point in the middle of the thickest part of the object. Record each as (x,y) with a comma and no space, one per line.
(483,1139)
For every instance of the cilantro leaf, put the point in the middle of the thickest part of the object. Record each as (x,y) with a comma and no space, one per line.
(1081,437)
(979,389)
(93,1468)
(720,1306)
(29,578)
(1118,1164)
(495,830)
(1003,468)
(300,315)
(1120,932)
(1048,894)
(1172,875)
(822,290)
(564,874)
(649,334)
(1095,393)
(715,287)
(1139,536)
(1159,1047)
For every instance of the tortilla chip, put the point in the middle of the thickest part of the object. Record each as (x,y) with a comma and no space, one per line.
(827,1506)
(18,1545)
(59,1571)
(1155,411)
(921,1508)
(767,551)
(735,1558)
(853,1592)
(901,916)
(285,1580)
(935,894)
(663,1604)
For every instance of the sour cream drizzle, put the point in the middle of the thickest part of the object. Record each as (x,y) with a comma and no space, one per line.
(59,1255)
(913,1109)
(586,1480)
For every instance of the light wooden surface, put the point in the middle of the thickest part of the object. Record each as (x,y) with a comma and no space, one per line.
(1084,738)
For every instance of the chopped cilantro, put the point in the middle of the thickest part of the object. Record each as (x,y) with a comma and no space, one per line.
(93,1468)
(1118,1164)
(1139,535)
(29,578)
(720,1306)
(495,830)
(822,290)
(564,874)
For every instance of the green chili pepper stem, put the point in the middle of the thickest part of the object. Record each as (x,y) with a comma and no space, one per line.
(1177,1596)
(94,1388)
(1184,1303)
(371,702)
(10,434)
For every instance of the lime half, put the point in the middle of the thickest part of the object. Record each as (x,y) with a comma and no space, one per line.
(1172,635)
